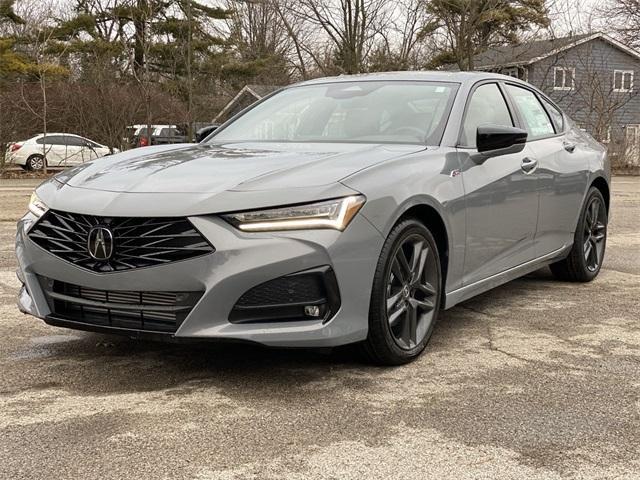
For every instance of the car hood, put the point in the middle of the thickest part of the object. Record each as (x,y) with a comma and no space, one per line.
(213,168)
(177,180)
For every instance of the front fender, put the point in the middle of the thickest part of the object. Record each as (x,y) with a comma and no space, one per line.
(428,178)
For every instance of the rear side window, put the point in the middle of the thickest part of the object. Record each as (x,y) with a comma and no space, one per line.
(74,141)
(556,115)
(537,122)
(51,140)
(486,107)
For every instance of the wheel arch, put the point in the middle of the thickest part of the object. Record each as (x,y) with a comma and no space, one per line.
(601,184)
(429,216)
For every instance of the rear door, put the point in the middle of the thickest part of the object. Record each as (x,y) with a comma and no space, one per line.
(54,148)
(73,147)
(500,192)
(562,170)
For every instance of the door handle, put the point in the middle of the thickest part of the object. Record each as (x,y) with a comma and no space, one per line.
(569,147)
(528,164)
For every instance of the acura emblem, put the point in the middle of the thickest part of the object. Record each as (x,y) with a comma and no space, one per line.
(100,243)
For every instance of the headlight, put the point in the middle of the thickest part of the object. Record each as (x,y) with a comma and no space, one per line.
(334,214)
(37,206)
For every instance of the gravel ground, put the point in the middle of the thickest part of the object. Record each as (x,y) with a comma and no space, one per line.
(537,379)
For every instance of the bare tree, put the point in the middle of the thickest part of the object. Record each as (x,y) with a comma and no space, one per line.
(46,60)
(624,17)
(401,44)
(468,27)
(351,26)
(295,30)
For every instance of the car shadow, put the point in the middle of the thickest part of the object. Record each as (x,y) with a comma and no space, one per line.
(91,363)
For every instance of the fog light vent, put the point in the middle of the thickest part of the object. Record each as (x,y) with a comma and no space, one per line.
(308,295)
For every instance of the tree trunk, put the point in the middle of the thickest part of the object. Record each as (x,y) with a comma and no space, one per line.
(140,26)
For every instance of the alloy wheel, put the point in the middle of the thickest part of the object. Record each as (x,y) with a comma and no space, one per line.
(37,163)
(595,233)
(411,293)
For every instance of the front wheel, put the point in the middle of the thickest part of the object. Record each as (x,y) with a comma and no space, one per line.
(405,298)
(585,258)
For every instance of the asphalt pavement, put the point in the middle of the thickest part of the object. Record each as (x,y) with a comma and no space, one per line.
(537,379)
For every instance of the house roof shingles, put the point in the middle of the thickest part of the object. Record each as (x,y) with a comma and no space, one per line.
(523,53)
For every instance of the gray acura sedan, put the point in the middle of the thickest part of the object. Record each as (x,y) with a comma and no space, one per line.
(336,211)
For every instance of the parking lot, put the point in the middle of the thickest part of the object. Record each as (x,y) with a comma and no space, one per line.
(537,379)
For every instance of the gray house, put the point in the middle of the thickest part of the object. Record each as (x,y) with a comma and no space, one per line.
(592,77)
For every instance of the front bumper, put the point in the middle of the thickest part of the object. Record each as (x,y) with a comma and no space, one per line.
(241,261)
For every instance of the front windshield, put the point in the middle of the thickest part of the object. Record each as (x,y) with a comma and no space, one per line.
(365,112)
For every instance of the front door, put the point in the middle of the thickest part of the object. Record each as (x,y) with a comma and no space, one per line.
(71,150)
(501,193)
(89,150)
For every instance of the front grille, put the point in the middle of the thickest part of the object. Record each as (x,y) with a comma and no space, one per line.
(137,242)
(143,311)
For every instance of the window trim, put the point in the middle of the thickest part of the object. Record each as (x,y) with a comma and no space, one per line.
(507,100)
(564,86)
(623,73)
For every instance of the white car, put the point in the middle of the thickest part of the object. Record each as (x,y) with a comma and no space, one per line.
(58,149)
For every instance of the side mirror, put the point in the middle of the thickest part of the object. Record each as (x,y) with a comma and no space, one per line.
(500,140)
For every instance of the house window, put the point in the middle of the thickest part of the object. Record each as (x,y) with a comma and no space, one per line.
(564,78)
(512,72)
(516,72)
(622,80)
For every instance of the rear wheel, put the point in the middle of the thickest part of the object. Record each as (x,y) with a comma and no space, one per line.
(585,259)
(406,295)
(35,162)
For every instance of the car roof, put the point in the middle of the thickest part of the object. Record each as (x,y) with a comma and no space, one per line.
(153,125)
(423,75)
(51,134)
(57,134)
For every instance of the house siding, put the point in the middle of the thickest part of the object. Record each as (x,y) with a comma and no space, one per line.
(592,103)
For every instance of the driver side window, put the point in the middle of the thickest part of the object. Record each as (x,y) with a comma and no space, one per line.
(487,106)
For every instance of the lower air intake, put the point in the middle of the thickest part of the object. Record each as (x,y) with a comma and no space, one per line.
(161,312)
(308,295)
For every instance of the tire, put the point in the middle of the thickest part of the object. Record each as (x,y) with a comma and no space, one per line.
(398,336)
(590,239)
(35,163)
